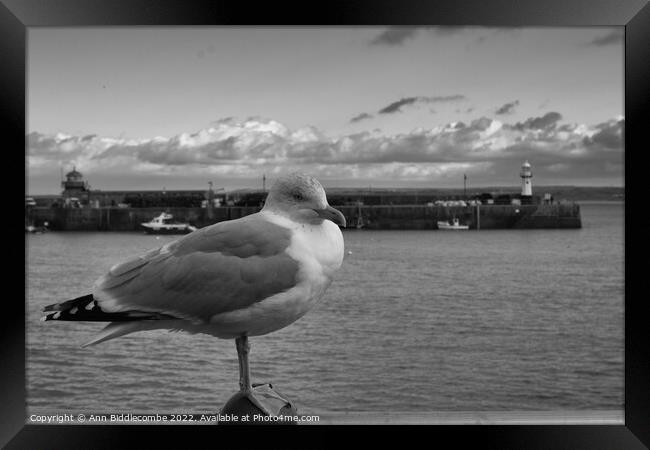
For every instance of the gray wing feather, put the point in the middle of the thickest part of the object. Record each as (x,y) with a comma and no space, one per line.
(227,266)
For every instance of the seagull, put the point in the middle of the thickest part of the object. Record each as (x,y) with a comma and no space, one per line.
(231,280)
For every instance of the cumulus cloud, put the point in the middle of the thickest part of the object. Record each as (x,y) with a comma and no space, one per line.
(612,38)
(547,120)
(361,117)
(483,147)
(508,108)
(408,101)
(609,135)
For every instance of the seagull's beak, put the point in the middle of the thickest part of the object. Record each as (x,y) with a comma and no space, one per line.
(332,214)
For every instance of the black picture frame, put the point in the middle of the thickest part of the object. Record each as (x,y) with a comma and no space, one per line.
(17,15)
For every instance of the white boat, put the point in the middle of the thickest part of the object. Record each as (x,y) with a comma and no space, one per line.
(165,224)
(455,225)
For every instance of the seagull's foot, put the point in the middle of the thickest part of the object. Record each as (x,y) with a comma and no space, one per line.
(262,400)
(271,401)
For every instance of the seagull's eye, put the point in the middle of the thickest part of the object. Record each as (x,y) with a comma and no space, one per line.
(297,196)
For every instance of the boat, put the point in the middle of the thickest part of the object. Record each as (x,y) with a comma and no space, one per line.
(31,228)
(35,229)
(165,224)
(454,225)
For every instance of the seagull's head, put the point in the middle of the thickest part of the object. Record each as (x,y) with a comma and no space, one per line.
(302,197)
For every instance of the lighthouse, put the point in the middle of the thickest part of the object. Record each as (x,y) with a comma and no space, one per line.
(526,185)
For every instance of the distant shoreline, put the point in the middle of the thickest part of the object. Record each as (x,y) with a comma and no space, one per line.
(566,193)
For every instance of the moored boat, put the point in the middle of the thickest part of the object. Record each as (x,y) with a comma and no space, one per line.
(35,229)
(165,224)
(31,228)
(454,225)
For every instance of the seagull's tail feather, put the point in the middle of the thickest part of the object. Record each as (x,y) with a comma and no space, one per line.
(86,308)
(116,329)
(79,302)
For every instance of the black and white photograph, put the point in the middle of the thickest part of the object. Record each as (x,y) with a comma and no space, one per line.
(325,225)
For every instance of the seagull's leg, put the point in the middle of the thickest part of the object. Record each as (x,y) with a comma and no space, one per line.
(243,347)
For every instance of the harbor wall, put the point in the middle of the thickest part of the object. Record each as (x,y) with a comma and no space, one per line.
(385,217)
(481,217)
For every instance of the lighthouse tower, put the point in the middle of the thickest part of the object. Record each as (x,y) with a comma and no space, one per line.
(526,185)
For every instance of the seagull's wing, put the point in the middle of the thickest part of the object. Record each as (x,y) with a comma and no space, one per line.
(220,268)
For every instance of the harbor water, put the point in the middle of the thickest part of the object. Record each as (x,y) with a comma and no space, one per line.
(416,321)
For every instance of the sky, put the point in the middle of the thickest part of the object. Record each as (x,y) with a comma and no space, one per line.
(177,107)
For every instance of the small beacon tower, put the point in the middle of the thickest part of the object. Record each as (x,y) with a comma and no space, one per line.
(75,187)
(526,186)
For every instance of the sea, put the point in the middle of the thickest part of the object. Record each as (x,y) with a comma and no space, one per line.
(415,321)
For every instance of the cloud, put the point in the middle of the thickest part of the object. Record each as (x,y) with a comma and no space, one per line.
(223,120)
(609,136)
(398,35)
(394,36)
(361,117)
(547,120)
(396,106)
(484,148)
(612,38)
(408,101)
(508,108)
